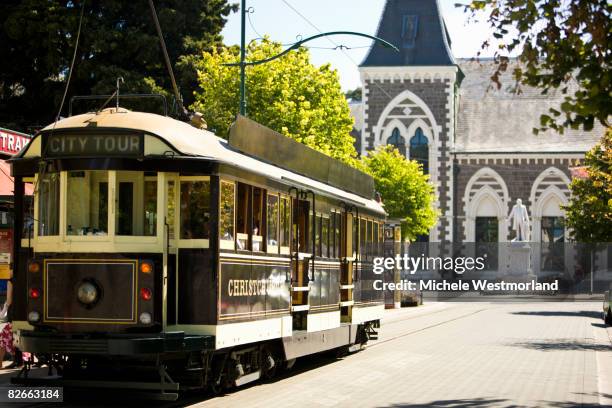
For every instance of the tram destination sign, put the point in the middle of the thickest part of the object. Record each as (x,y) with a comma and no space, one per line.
(106,145)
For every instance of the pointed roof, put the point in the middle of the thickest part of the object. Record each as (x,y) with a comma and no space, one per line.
(417,28)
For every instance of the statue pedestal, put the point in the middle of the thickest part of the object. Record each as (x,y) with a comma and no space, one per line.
(518,265)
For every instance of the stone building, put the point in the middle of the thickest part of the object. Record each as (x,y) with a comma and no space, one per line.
(475,140)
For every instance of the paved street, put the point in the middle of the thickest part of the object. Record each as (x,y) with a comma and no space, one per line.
(450,355)
(460,354)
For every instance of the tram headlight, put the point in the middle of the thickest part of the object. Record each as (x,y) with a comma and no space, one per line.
(87,293)
(33,316)
(145,318)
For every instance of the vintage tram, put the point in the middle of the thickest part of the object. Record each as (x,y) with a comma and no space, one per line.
(160,256)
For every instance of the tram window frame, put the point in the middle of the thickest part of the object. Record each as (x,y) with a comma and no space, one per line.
(56,200)
(227,242)
(362,238)
(84,191)
(317,235)
(325,247)
(369,239)
(258,210)
(272,224)
(139,181)
(375,239)
(242,216)
(337,234)
(27,213)
(285,224)
(193,242)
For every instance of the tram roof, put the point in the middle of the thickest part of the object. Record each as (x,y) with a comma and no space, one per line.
(187,140)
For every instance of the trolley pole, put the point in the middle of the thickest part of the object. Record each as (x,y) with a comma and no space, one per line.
(243,12)
(243,63)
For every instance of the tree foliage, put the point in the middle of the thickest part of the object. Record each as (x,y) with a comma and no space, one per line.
(589,213)
(118,38)
(354,95)
(558,42)
(289,95)
(407,193)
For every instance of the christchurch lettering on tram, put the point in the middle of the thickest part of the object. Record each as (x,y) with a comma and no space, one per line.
(251,287)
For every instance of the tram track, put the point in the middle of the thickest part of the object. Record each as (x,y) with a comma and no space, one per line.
(422,329)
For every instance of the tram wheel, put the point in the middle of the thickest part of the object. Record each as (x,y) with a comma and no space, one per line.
(270,364)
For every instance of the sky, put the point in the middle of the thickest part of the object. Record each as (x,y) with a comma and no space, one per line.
(277,19)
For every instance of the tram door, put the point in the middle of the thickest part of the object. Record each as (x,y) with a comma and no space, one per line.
(348,254)
(300,263)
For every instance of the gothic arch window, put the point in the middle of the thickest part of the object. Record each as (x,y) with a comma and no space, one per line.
(419,149)
(397,140)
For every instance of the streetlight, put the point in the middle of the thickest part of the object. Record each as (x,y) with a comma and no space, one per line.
(243,63)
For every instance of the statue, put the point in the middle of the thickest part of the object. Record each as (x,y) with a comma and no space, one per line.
(520,221)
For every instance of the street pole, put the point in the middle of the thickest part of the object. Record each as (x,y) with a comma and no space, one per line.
(243,12)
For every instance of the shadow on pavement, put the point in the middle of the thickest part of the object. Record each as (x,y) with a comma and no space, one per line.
(487,402)
(561,345)
(102,398)
(452,403)
(562,313)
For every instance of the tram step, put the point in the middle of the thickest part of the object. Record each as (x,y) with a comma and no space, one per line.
(247,378)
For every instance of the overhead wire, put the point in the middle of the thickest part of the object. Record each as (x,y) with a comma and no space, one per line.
(338,46)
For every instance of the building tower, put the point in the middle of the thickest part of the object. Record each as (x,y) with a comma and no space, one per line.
(409,96)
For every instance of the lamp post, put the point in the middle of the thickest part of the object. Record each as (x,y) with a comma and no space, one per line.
(243,63)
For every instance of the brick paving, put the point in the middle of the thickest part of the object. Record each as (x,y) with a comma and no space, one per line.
(460,354)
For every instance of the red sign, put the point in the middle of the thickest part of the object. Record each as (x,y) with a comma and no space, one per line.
(12,142)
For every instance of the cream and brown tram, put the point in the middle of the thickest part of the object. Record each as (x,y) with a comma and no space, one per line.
(160,256)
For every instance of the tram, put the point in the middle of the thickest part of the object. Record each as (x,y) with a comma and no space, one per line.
(158,256)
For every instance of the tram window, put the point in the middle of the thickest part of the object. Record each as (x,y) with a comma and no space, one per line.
(195,209)
(337,236)
(301,226)
(369,245)
(258,209)
(362,237)
(272,228)
(242,213)
(375,243)
(170,194)
(87,203)
(28,210)
(285,222)
(325,237)
(352,248)
(317,232)
(48,204)
(136,204)
(226,211)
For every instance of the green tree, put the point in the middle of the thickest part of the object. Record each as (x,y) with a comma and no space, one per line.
(558,42)
(118,38)
(407,193)
(289,95)
(589,213)
(354,94)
